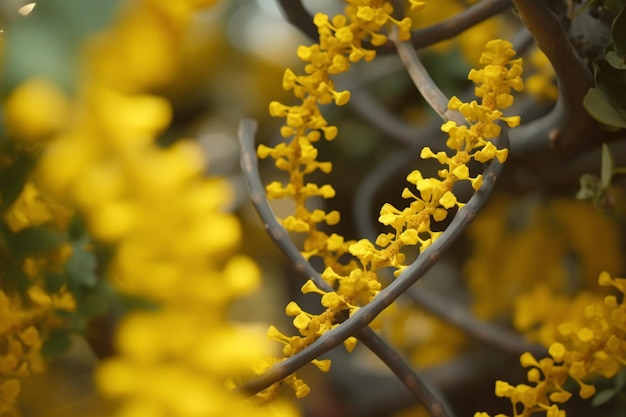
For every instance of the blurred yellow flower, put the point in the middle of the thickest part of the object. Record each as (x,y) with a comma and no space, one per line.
(35,110)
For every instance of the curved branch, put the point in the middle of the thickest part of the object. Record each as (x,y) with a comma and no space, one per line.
(278,234)
(491,334)
(424,392)
(381,119)
(423,81)
(538,134)
(363,219)
(458,23)
(298,16)
(574,78)
(420,389)
(367,107)
(405,280)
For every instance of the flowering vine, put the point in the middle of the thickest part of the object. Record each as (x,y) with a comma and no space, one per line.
(341,43)
(555,225)
(357,283)
(590,345)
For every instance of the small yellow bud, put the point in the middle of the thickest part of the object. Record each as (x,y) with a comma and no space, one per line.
(323,365)
(585,334)
(293,309)
(350,343)
(301,321)
(557,350)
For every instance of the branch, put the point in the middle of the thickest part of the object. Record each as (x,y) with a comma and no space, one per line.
(491,334)
(367,107)
(537,135)
(421,390)
(574,78)
(363,219)
(424,392)
(380,118)
(458,23)
(422,80)
(405,280)
(438,101)
(249,165)
(298,16)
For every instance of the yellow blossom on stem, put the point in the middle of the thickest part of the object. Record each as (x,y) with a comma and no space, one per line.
(36,109)
(25,322)
(434,197)
(341,43)
(430,199)
(341,40)
(595,344)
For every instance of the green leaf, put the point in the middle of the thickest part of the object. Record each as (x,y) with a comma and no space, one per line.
(602,397)
(55,281)
(620,380)
(57,344)
(603,111)
(618,32)
(97,301)
(611,81)
(81,267)
(606,172)
(614,6)
(616,61)
(13,177)
(588,187)
(37,240)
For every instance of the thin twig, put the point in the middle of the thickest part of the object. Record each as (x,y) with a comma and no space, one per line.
(423,81)
(298,15)
(538,134)
(367,107)
(391,126)
(458,23)
(405,280)
(249,165)
(420,389)
(423,391)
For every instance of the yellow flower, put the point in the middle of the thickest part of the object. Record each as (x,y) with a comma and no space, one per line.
(29,210)
(542,82)
(35,110)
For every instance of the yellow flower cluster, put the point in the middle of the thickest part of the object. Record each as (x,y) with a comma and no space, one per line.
(505,239)
(593,345)
(434,197)
(341,43)
(24,324)
(542,82)
(170,239)
(425,339)
(33,111)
